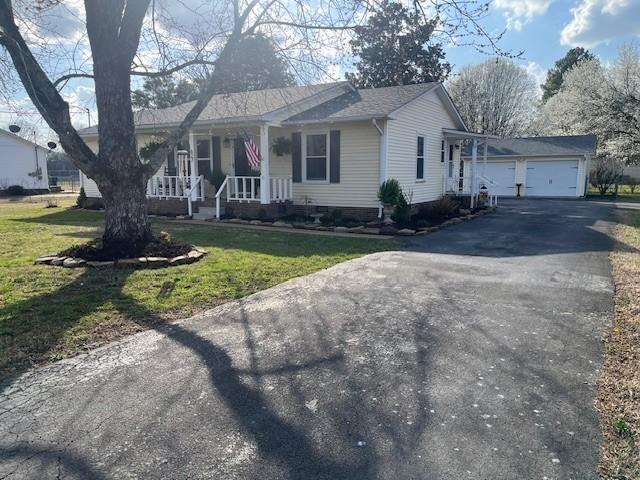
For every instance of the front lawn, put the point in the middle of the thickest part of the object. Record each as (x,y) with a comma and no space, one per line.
(48,313)
(619,386)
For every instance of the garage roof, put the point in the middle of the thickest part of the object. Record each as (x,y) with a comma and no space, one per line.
(540,146)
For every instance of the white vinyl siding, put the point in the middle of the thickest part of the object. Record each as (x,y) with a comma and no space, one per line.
(18,160)
(90,187)
(359,167)
(425,116)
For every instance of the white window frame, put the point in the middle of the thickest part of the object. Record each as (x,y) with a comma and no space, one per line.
(424,158)
(304,156)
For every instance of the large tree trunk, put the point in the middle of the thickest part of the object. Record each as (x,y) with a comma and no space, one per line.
(126,228)
(122,178)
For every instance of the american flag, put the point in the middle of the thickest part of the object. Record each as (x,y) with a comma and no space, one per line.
(253,155)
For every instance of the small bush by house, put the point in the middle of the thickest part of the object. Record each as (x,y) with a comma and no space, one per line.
(16,191)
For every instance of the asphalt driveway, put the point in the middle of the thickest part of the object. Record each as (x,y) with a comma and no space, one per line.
(473,354)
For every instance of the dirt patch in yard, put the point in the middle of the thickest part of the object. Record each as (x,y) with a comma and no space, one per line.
(619,386)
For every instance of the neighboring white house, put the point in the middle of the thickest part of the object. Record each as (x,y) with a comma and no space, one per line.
(632,171)
(22,163)
(344,143)
(536,166)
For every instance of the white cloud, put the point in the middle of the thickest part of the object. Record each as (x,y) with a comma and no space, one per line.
(520,12)
(599,21)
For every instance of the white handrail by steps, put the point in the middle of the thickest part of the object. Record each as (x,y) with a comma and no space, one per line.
(218,193)
(193,191)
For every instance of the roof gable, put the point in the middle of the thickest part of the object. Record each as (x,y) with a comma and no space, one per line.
(17,138)
(363,103)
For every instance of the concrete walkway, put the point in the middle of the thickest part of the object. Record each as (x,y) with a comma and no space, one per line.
(474,354)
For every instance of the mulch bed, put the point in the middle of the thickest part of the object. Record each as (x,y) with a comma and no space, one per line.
(158,247)
(162,251)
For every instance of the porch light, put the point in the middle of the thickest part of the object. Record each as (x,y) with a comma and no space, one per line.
(226,142)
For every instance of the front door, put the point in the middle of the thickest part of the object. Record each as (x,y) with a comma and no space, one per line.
(240,161)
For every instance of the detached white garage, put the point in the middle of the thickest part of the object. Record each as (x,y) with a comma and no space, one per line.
(537,166)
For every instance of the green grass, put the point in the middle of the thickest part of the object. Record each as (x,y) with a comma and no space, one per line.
(48,313)
(624,192)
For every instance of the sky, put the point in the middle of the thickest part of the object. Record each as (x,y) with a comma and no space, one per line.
(545,29)
(542,29)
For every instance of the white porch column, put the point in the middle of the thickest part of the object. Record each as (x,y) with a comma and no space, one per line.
(192,154)
(485,155)
(265,178)
(445,165)
(474,162)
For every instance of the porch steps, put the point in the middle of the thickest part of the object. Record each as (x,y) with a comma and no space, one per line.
(205,213)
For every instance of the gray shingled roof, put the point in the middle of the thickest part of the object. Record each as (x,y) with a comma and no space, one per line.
(242,106)
(540,146)
(362,103)
(252,106)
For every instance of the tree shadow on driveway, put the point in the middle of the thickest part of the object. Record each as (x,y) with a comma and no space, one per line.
(336,442)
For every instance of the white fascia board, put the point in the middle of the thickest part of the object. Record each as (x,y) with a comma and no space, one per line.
(355,118)
(450,106)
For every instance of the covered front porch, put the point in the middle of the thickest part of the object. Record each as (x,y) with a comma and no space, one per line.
(214,165)
(467,179)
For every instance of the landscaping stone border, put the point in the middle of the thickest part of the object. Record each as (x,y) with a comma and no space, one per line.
(193,256)
(368,228)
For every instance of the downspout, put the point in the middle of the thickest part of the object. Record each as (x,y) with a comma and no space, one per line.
(383,155)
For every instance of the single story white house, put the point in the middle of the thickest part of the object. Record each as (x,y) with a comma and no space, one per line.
(22,163)
(537,166)
(323,148)
(343,142)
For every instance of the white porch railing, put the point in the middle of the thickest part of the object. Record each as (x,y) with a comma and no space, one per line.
(462,186)
(281,189)
(247,189)
(165,187)
(243,189)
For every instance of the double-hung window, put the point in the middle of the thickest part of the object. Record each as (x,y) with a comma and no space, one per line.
(316,157)
(420,159)
(203,155)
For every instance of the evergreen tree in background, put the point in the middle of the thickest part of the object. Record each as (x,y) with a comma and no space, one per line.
(394,49)
(556,74)
(255,66)
(163,92)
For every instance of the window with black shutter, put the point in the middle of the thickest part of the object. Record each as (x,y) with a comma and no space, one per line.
(420,159)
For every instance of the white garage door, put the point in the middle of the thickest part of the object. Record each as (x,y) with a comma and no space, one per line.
(552,178)
(503,174)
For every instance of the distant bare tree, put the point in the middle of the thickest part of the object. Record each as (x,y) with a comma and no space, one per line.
(496,97)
